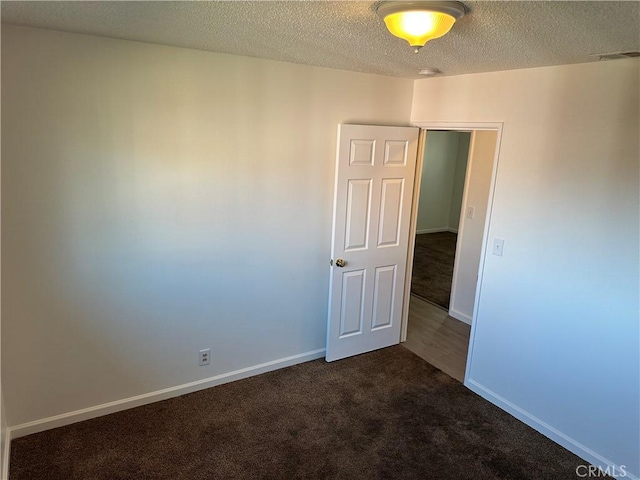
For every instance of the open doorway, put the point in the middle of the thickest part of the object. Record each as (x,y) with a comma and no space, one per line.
(442,182)
(454,178)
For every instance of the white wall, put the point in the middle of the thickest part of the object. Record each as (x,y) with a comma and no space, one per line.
(441,181)
(556,336)
(459,175)
(157,201)
(469,247)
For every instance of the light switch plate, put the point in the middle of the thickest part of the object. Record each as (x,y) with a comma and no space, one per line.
(470,212)
(498,246)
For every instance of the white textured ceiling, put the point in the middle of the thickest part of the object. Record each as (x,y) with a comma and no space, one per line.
(494,35)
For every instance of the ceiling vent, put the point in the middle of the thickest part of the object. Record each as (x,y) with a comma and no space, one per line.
(615,55)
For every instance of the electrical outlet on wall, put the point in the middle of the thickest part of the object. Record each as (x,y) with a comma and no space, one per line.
(204,357)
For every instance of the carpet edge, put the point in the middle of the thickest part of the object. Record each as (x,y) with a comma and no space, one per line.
(550,432)
(88,413)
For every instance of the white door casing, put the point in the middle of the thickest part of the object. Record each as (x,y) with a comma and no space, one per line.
(375,170)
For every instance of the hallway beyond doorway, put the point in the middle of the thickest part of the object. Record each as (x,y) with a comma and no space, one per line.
(438,338)
(433,261)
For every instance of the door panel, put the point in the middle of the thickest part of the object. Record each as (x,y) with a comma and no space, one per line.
(383,297)
(358,201)
(361,152)
(375,169)
(395,153)
(390,212)
(352,310)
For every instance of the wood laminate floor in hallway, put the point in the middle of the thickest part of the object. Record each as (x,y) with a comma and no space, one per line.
(437,338)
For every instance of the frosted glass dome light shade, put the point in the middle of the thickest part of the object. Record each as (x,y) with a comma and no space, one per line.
(418,22)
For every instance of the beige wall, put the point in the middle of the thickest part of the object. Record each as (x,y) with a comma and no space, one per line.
(556,333)
(156,201)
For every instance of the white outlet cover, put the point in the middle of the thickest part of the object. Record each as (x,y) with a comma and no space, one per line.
(204,357)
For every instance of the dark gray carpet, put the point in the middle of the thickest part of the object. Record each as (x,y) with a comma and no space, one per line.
(382,415)
(433,261)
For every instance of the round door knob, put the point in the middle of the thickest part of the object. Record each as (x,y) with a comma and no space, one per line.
(340,263)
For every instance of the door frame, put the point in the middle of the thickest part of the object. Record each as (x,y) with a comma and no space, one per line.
(461,228)
(461,127)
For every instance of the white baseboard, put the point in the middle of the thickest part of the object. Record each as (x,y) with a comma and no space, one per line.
(548,431)
(4,475)
(436,230)
(124,404)
(460,316)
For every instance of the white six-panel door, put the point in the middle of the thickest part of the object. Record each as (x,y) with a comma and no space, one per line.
(375,170)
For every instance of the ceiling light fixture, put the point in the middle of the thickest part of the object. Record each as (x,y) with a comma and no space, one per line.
(420,21)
